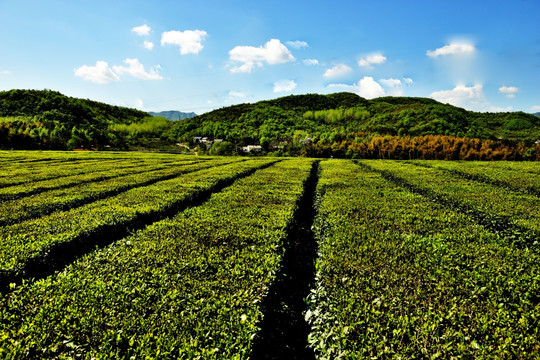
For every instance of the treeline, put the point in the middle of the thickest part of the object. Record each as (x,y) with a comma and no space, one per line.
(325,116)
(45,119)
(309,125)
(428,147)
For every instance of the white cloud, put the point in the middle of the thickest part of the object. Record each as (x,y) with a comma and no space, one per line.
(535,108)
(139,104)
(297,44)
(310,62)
(455,48)
(5,72)
(510,91)
(136,69)
(394,86)
(189,41)
(148,45)
(142,30)
(273,52)
(338,70)
(366,87)
(236,94)
(499,109)
(101,73)
(369,88)
(391,82)
(284,86)
(469,97)
(346,87)
(374,59)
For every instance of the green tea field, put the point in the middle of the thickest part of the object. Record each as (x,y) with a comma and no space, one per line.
(162,256)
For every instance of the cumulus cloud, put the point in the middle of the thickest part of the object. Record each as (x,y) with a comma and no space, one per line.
(189,41)
(236,94)
(394,86)
(136,69)
(148,45)
(367,87)
(408,81)
(535,108)
(468,97)
(391,82)
(338,70)
(455,48)
(139,104)
(142,30)
(342,87)
(499,109)
(101,73)
(370,60)
(284,86)
(250,57)
(509,91)
(310,62)
(297,44)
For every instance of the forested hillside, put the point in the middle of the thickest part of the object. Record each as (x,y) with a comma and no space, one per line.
(339,125)
(45,119)
(346,125)
(326,116)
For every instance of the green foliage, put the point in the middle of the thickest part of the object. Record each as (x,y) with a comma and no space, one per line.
(518,124)
(468,195)
(60,122)
(222,148)
(426,259)
(88,186)
(48,120)
(41,102)
(513,176)
(402,275)
(149,125)
(123,200)
(186,287)
(333,118)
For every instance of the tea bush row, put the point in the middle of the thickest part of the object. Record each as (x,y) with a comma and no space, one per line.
(400,276)
(20,242)
(185,287)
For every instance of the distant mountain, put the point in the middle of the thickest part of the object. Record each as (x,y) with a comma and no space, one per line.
(173,115)
(537,114)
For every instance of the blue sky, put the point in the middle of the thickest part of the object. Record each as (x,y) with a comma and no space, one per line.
(200,55)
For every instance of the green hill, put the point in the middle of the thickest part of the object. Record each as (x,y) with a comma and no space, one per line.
(340,124)
(325,116)
(29,103)
(45,119)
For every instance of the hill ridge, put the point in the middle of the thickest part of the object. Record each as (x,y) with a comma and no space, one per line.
(309,124)
(173,115)
(346,112)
